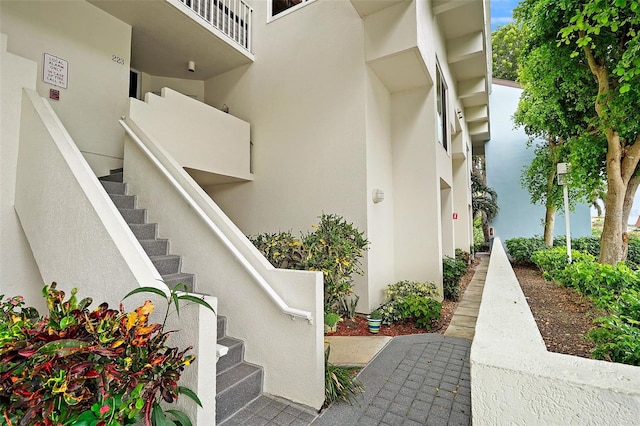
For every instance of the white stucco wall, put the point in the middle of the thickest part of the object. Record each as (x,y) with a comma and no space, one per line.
(191,88)
(197,135)
(98,86)
(252,316)
(514,380)
(417,208)
(18,269)
(506,156)
(304,98)
(380,226)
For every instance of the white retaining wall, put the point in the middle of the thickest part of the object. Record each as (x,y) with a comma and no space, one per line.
(515,380)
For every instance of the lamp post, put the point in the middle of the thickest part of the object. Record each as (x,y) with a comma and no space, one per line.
(563,170)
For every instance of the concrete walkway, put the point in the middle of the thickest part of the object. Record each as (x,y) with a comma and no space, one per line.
(463,322)
(420,379)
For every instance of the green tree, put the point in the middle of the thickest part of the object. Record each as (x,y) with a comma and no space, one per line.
(601,37)
(553,110)
(507,43)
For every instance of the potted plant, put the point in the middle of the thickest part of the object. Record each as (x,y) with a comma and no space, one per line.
(331,320)
(374,319)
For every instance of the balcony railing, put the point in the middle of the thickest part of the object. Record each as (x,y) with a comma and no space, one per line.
(232,17)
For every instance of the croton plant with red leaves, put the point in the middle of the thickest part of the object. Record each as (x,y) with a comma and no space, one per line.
(101,367)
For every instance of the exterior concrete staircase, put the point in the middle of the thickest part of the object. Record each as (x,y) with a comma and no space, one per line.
(237,382)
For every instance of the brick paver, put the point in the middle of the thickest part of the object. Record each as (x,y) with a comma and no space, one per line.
(419,379)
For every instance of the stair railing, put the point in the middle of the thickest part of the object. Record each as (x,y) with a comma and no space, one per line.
(259,279)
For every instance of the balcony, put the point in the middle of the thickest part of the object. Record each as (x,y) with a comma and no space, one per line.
(167,34)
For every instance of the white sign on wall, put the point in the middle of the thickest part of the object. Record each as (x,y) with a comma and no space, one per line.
(55,71)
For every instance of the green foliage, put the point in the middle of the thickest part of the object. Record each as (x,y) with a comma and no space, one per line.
(521,249)
(340,382)
(507,43)
(588,76)
(423,310)
(348,306)
(464,256)
(81,367)
(281,249)
(393,310)
(331,319)
(334,247)
(484,199)
(377,314)
(452,270)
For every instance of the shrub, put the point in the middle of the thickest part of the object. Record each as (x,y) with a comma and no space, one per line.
(464,256)
(481,247)
(396,294)
(423,310)
(590,245)
(521,249)
(334,247)
(281,249)
(633,253)
(83,367)
(452,271)
(616,340)
(553,262)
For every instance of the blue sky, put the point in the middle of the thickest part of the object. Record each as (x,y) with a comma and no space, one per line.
(501,12)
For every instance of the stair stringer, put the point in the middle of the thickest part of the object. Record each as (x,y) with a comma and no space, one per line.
(80,239)
(269,334)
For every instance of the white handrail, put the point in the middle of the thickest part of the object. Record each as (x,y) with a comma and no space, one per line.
(294,312)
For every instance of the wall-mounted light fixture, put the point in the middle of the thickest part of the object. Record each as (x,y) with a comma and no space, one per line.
(192,66)
(377,196)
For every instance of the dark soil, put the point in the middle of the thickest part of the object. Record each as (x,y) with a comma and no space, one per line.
(563,315)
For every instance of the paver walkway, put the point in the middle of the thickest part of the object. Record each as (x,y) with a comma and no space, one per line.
(420,379)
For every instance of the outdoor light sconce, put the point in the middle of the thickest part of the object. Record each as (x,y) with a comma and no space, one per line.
(377,196)
(192,66)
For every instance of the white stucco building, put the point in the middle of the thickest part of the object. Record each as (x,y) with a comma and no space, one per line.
(328,101)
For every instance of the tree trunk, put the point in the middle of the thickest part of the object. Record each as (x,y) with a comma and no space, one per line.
(549,223)
(485,227)
(550,213)
(629,195)
(622,160)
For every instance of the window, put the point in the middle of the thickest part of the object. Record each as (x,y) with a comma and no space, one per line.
(441,100)
(285,6)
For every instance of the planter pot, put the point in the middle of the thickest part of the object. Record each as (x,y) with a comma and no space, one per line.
(374,325)
(330,329)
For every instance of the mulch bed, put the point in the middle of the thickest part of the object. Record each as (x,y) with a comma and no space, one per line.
(563,315)
(359,327)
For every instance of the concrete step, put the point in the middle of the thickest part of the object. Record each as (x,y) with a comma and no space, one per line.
(114,187)
(124,201)
(144,231)
(236,387)
(113,177)
(134,215)
(171,280)
(234,356)
(155,247)
(222,326)
(166,264)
